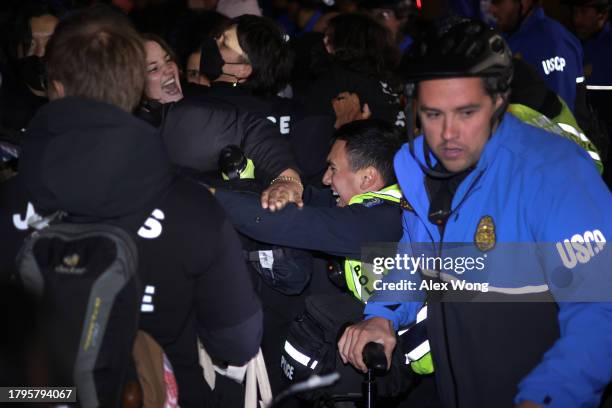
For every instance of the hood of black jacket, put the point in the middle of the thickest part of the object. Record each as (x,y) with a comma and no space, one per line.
(92,159)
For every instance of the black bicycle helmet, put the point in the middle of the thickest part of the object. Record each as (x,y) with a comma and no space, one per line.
(460,47)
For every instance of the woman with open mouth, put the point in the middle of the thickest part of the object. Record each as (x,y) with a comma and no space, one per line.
(162,79)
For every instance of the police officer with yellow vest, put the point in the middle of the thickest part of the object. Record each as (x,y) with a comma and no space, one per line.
(532,101)
(362,204)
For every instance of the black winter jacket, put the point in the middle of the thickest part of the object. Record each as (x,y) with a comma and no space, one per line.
(95,161)
(309,134)
(195,132)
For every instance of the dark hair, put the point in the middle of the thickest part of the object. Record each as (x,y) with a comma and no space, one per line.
(371,142)
(96,54)
(163,44)
(495,86)
(20,36)
(603,8)
(268,53)
(310,4)
(401,8)
(197,27)
(362,44)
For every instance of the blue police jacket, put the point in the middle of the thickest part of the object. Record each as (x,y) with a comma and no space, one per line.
(533,187)
(598,58)
(554,51)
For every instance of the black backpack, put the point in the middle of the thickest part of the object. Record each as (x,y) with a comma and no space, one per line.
(84,277)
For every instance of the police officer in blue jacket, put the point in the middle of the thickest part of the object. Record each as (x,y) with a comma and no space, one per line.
(591,25)
(543,42)
(590,21)
(479,177)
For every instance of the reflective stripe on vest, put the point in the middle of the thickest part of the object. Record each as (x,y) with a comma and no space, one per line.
(415,338)
(419,356)
(300,357)
(563,124)
(568,123)
(352,267)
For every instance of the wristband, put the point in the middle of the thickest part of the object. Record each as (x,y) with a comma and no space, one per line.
(287,179)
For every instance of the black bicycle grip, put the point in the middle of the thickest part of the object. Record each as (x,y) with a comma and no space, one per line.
(375,359)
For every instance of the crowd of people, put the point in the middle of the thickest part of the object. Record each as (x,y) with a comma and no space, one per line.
(254,150)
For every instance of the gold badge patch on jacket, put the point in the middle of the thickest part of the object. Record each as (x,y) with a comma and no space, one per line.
(485,234)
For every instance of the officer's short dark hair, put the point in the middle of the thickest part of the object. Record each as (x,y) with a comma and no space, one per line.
(97,54)
(494,87)
(268,53)
(371,142)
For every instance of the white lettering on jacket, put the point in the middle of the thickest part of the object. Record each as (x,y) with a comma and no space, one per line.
(553,64)
(21,223)
(152,227)
(283,123)
(581,247)
(147,300)
(287,368)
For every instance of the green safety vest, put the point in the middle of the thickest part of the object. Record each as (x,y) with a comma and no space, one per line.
(563,124)
(420,358)
(356,282)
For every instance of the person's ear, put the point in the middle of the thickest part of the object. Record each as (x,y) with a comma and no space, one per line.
(56,90)
(328,46)
(498,102)
(369,179)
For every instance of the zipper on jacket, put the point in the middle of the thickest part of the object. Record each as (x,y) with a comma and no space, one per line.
(442,231)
